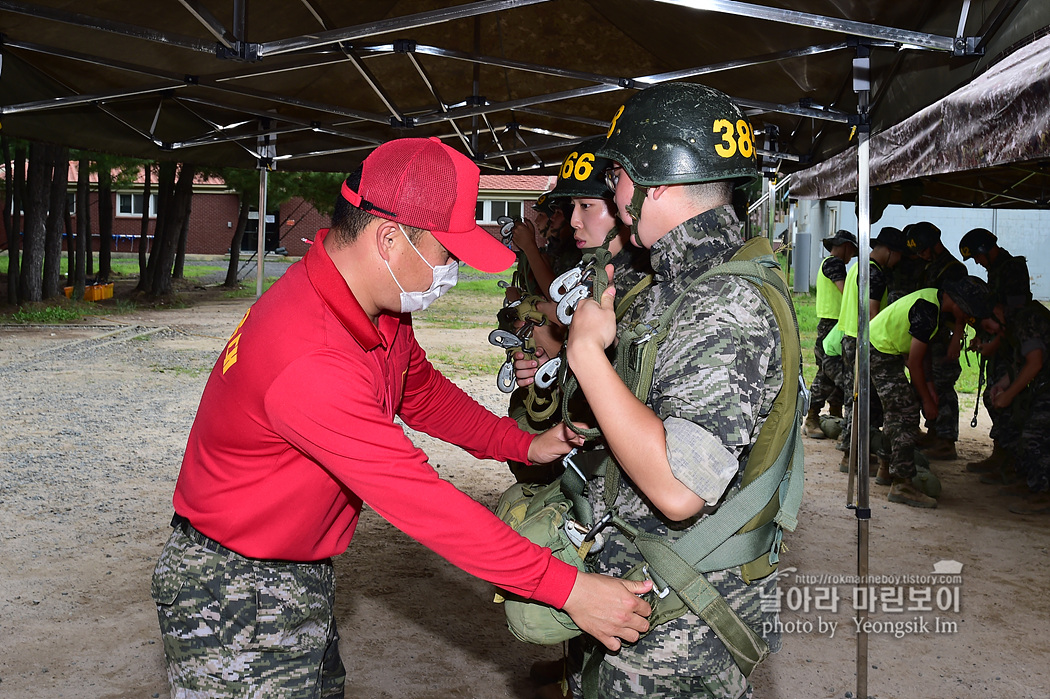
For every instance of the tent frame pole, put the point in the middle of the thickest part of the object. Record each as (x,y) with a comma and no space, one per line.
(862,414)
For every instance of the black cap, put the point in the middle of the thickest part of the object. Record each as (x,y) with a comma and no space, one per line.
(971,294)
(921,236)
(977,242)
(840,237)
(890,237)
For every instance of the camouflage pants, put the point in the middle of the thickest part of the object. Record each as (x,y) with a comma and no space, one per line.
(682,657)
(995,369)
(900,411)
(827,384)
(237,627)
(1026,435)
(849,362)
(945,372)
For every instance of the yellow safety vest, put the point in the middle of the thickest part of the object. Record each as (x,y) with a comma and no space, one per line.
(850,292)
(889,329)
(829,298)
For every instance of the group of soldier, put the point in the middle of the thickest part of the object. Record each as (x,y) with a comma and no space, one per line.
(921,303)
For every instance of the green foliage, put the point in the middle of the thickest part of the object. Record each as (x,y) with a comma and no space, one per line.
(46,315)
(247,291)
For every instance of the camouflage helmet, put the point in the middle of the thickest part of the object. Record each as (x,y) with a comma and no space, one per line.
(582,173)
(972,296)
(543,203)
(679,133)
(979,241)
(921,236)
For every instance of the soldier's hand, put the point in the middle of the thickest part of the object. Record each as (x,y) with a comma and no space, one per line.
(525,234)
(929,409)
(526,366)
(608,608)
(593,325)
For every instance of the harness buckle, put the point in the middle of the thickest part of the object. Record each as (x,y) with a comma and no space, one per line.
(774,550)
(661,593)
(577,534)
(598,526)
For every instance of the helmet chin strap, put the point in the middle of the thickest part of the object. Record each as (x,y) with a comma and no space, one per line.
(635,211)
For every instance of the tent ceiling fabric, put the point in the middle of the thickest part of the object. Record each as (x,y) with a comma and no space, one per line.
(511,82)
(986,144)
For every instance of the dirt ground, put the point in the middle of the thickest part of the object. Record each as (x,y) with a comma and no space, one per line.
(94,421)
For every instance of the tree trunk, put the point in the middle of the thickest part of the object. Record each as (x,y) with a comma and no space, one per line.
(71,248)
(56,210)
(79,274)
(38,183)
(105,225)
(165,183)
(14,237)
(235,245)
(144,227)
(184,233)
(171,226)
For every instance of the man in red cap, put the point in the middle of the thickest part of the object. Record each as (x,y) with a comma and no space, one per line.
(296,429)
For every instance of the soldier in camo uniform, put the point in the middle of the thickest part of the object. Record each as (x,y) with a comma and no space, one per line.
(887,250)
(1009,284)
(1023,398)
(924,241)
(901,337)
(715,379)
(828,381)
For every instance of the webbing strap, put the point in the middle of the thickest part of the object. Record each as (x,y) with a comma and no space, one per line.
(747,648)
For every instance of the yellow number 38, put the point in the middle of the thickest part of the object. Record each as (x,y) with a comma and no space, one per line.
(734,138)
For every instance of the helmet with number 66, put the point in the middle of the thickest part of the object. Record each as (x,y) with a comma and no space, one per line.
(582,173)
(679,133)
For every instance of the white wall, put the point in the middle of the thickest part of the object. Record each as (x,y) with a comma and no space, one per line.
(1022,232)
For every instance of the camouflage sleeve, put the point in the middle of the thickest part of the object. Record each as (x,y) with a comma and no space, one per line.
(834,268)
(1016,287)
(698,459)
(878,282)
(922,320)
(717,374)
(1032,332)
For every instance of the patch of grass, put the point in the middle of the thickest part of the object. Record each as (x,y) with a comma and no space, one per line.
(248,291)
(472,303)
(47,315)
(455,361)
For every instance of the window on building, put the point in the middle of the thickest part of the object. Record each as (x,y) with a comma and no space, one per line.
(131,205)
(490,210)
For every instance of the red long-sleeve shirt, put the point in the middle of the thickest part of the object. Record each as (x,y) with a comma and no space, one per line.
(296,428)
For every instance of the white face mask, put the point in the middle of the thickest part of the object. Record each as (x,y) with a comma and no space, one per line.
(444,278)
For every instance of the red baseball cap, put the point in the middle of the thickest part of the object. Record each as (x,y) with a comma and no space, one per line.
(423,183)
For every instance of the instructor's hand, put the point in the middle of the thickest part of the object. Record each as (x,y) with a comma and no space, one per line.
(553,444)
(608,608)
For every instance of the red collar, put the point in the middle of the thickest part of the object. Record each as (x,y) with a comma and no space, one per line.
(335,293)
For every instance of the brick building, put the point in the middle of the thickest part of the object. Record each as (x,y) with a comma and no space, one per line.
(213,214)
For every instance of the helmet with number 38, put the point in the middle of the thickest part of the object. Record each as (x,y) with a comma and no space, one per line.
(678,133)
(582,173)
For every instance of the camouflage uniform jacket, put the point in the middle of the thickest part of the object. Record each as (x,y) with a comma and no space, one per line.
(630,266)
(1029,329)
(717,374)
(1009,281)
